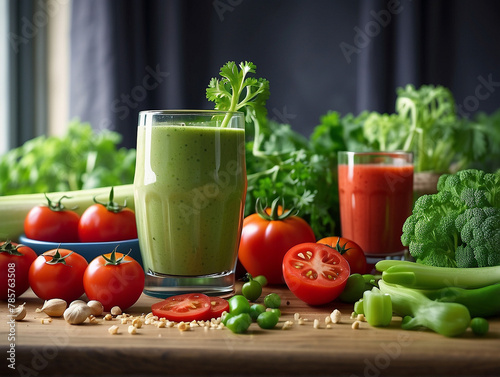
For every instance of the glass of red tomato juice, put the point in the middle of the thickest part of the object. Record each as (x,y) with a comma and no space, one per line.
(376,198)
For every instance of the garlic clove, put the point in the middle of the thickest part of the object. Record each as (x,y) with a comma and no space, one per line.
(18,313)
(96,308)
(76,302)
(77,314)
(54,307)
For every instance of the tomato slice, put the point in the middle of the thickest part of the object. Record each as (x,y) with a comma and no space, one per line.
(218,305)
(186,307)
(315,273)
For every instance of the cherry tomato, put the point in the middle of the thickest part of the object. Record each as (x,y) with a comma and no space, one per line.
(114,279)
(315,272)
(104,222)
(58,273)
(15,262)
(185,307)
(52,223)
(265,238)
(350,251)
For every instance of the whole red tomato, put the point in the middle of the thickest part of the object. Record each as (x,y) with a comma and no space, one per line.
(104,222)
(52,223)
(350,251)
(58,273)
(315,273)
(15,262)
(114,279)
(266,237)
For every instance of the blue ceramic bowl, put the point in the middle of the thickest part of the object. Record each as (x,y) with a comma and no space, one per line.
(89,250)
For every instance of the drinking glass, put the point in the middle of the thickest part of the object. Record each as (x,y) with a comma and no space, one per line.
(189,190)
(376,198)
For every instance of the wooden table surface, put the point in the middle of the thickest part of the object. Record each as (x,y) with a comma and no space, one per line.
(57,348)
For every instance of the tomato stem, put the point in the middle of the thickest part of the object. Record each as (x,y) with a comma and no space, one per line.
(58,206)
(11,249)
(341,248)
(58,258)
(274,214)
(111,260)
(111,205)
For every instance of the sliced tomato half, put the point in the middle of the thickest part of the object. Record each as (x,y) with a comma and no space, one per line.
(218,306)
(185,307)
(315,273)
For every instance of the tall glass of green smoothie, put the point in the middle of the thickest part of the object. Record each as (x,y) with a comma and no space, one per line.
(190,186)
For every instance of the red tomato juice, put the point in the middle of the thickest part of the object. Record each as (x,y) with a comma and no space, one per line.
(375,201)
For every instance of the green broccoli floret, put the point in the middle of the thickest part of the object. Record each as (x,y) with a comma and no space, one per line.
(472,188)
(430,232)
(480,233)
(464,256)
(460,225)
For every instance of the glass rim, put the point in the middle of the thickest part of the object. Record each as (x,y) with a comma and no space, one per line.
(190,112)
(376,153)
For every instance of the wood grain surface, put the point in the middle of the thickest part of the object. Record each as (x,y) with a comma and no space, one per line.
(57,348)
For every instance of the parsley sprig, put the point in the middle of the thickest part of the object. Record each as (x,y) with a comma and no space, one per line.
(235,91)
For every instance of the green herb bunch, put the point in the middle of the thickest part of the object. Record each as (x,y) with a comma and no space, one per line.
(425,122)
(80,159)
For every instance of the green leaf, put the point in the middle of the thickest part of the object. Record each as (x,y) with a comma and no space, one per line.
(237,92)
(80,158)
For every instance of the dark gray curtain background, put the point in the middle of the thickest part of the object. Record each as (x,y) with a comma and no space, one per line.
(27,73)
(349,56)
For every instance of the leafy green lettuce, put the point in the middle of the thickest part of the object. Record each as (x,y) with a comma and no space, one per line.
(80,159)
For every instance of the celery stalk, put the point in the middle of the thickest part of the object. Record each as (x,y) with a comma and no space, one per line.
(377,307)
(421,276)
(445,318)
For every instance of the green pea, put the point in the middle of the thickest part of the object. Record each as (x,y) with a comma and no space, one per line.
(255,310)
(267,320)
(251,289)
(479,326)
(272,300)
(276,311)
(239,323)
(261,279)
(225,317)
(238,304)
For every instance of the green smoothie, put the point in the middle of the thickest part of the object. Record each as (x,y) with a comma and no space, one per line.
(190,188)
